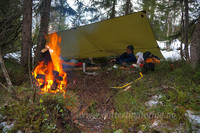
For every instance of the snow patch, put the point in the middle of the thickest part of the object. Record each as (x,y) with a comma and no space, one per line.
(7,128)
(194,119)
(154,101)
(174,54)
(3,124)
(15,55)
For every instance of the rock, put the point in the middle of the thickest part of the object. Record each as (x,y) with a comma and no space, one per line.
(140,131)
(19,131)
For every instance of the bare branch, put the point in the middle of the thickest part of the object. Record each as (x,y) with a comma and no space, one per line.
(9,83)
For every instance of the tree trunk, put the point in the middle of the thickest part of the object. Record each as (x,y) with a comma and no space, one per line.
(195,46)
(113,9)
(186,30)
(152,11)
(168,31)
(128,2)
(182,31)
(168,25)
(7,77)
(26,34)
(44,24)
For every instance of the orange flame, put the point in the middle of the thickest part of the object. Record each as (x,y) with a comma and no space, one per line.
(46,70)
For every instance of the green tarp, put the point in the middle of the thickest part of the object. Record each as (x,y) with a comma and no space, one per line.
(110,37)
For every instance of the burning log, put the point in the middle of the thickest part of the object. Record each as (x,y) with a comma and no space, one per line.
(40,76)
(46,56)
(55,73)
(91,68)
(55,80)
(56,76)
(60,78)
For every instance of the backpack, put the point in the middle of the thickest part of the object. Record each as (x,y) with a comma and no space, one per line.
(150,58)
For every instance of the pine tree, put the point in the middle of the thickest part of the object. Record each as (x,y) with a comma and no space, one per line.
(60,11)
(126,7)
(79,19)
(82,11)
(186,30)
(108,5)
(10,26)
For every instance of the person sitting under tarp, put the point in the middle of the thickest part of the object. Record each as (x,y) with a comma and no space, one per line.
(126,58)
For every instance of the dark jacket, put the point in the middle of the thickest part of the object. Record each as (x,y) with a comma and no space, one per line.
(128,58)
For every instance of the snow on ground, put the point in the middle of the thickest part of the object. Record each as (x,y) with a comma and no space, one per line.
(154,101)
(15,55)
(195,119)
(174,54)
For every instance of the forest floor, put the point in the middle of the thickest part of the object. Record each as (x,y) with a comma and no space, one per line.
(166,100)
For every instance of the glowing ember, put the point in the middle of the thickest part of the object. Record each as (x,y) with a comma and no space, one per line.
(49,75)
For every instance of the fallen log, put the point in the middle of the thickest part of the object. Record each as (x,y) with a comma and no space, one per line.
(91,68)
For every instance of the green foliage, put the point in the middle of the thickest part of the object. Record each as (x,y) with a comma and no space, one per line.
(179,89)
(60,11)
(125,102)
(49,113)
(10,25)
(108,5)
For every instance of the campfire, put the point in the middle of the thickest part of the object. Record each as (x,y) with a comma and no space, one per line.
(49,74)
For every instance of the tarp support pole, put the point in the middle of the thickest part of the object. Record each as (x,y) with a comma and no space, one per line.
(84,67)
